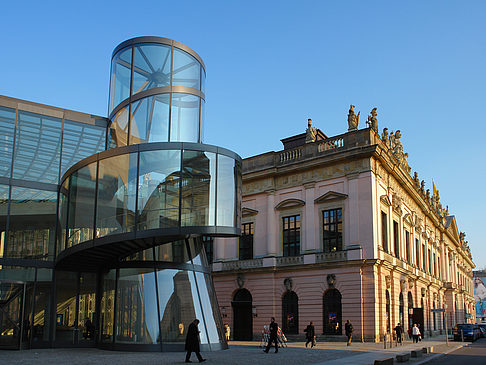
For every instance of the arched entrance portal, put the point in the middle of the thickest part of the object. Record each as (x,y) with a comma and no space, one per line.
(290,313)
(332,312)
(242,315)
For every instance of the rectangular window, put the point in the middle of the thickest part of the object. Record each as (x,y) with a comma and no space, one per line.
(438,265)
(424,258)
(435,266)
(417,253)
(396,239)
(384,231)
(291,235)
(407,244)
(332,230)
(246,242)
(430,264)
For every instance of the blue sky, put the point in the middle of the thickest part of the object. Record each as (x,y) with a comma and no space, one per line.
(271,65)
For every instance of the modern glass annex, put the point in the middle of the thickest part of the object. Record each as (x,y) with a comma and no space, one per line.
(120,262)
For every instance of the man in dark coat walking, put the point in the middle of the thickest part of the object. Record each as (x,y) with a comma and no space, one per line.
(310,334)
(348,328)
(192,341)
(273,336)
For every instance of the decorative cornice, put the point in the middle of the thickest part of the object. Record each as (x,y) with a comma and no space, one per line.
(247,212)
(330,196)
(386,200)
(289,203)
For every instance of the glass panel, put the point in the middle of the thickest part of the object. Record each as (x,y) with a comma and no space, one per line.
(144,255)
(117,189)
(203,120)
(184,119)
(66,294)
(42,309)
(32,224)
(172,252)
(137,317)
(3,217)
(150,120)
(80,141)
(37,148)
(118,132)
(151,67)
(186,71)
(158,192)
(211,314)
(120,77)
(198,188)
(81,205)
(86,309)
(226,191)
(10,320)
(203,80)
(63,216)
(107,306)
(179,305)
(7,130)
(239,194)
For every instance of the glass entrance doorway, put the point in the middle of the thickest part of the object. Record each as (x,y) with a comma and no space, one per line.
(14,319)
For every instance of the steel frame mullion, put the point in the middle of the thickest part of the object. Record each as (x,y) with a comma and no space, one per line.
(130,99)
(115,303)
(169,122)
(157,295)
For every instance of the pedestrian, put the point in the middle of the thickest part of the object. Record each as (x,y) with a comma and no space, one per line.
(348,328)
(310,335)
(227,331)
(415,333)
(273,336)
(398,330)
(193,341)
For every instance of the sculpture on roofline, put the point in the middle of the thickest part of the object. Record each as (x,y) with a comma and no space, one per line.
(384,136)
(310,132)
(372,120)
(353,119)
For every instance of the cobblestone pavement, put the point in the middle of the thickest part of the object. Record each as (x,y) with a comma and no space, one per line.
(238,353)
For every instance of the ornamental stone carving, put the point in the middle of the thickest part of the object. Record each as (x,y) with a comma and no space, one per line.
(331,280)
(288,284)
(403,285)
(240,280)
(388,281)
(410,283)
(310,132)
(422,291)
(372,121)
(353,119)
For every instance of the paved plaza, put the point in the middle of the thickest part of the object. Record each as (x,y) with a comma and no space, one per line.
(328,353)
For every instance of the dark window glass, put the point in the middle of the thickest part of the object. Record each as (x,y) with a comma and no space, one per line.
(439,268)
(435,265)
(384,231)
(388,312)
(37,148)
(430,264)
(332,230)
(396,239)
(417,253)
(407,244)
(32,224)
(80,140)
(198,188)
(424,258)
(7,130)
(3,214)
(246,242)
(291,235)
(209,247)
(290,313)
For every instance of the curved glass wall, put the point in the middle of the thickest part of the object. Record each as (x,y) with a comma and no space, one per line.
(156,305)
(152,187)
(156,93)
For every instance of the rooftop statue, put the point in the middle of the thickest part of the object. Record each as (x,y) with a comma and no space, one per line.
(311,132)
(372,120)
(422,187)
(384,136)
(353,119)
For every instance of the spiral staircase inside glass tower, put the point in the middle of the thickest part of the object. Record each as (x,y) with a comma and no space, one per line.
(104,221)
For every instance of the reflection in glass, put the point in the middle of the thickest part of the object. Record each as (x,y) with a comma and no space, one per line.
(32,224)
(66,293)
(117,189)
(107,306)
(213,324)
(150,120)
(239,184)
(158,189)
(80,140)
(7,130)
(118,132)
(137,316)
(186,70)
(3,216)
(226,191)
(197,307)
(81,205)
(86,306)
(184,119)
(198,188)
(42,308)
(151,67)
(63,210)
(120,77)
(37,148)
(172,252)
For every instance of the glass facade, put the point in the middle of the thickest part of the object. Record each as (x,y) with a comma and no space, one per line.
(95,212)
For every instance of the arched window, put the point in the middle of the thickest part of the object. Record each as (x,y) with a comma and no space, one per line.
(401,310)
(290,313)
(332,312)
(410,310)
(434,317)
(242,315)
(388,319)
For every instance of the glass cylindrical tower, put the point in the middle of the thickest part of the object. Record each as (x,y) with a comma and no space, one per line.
(137,212)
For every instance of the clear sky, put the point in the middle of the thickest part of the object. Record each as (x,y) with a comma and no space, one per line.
(273,64)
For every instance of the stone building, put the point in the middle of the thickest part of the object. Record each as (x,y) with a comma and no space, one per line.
(338,229)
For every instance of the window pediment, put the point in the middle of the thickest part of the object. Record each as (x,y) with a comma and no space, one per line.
(330,196)
(289,203)
(386,200)
(247,212)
